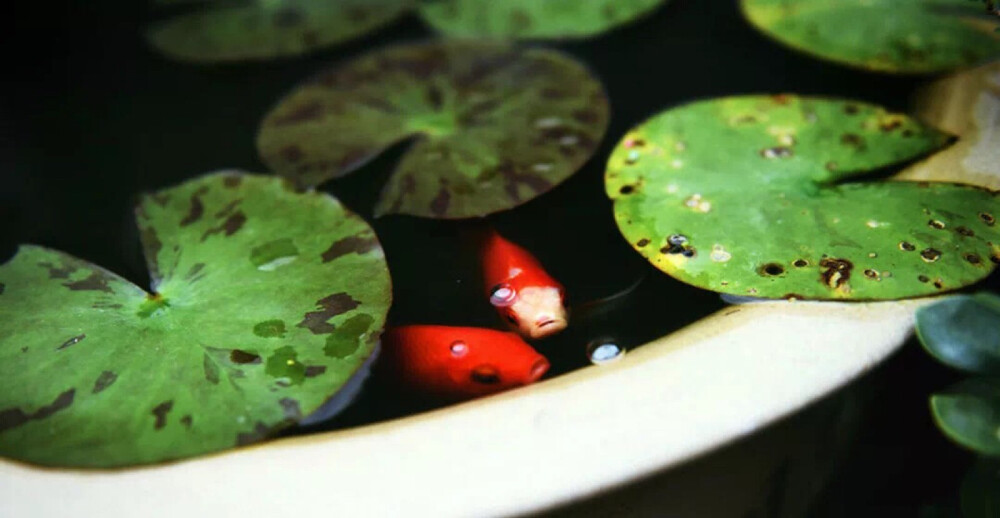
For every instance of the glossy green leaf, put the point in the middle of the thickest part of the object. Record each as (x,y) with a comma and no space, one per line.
(494,125)
(748,196)
(980,492)
(969,414)
(532,19)
(251,281)
(910,36)
(266,29)
(963,331)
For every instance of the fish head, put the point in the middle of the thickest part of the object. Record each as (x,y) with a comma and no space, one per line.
(490,361)
(534,311)
(449,363)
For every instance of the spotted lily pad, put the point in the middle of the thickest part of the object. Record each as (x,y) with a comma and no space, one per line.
(747,196)
(266,29)
(532,19)
(909,36)
(963,331)
(243,333)
(495,125)
(969,414)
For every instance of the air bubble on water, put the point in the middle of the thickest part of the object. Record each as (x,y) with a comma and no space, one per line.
(604,350)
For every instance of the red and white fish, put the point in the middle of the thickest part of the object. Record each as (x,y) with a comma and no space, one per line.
(457,363)
(523,293)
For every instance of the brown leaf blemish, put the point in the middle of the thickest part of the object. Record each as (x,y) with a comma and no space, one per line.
(96,281)
(930,255)
(72,341)
(439,205)
(232,225)
(348,245)
(291,408)
(314,370)
(243,357)
(837,272)
(160,412)
(331,306)
(196,208)
(14,417)
(105,380)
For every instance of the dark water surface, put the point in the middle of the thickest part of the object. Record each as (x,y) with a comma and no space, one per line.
(92,117)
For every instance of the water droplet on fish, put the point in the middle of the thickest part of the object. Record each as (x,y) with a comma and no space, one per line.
(502,295)
(604,350)
(459,349)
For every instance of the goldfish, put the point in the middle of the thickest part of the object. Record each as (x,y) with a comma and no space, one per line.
(527,297)
(457,363)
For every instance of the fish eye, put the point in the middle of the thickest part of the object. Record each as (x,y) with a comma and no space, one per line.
(485,374)
(511,317)
(502,295)
(459,349)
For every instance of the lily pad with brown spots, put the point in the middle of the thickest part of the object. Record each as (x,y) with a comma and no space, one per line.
(909,36)
(266,29)
(230,345)
(760,196)
(532,19)
(493,125)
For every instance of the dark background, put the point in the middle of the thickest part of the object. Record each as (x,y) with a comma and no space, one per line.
(90,117)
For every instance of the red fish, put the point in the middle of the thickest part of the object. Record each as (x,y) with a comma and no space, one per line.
(457,363)
(523,293)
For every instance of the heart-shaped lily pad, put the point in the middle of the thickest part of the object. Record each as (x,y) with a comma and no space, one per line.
(532,19)
(963,331)
(244,333)
(496,125)
(969,414)
(744,195)
(967,105)
(909,36)
(265,29)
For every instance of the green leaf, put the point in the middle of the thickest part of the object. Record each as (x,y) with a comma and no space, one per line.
(980,492)
(532,19)
(747,196)
(495,125)
(969,414)
(910,36)
(251,282)
(963,331)
(267,29)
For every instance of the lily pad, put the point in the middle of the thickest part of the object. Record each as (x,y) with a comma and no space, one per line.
(963,331)
(266,29)
(969,414)
(241,335)
(495,125)
(966,104)
(532,19)
(911,36)
(747,195)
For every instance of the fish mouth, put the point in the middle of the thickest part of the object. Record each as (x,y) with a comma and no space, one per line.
(538,370)
(546,322)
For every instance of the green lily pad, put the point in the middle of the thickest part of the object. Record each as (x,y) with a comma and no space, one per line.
(495,125)
(746,196)
(252,284)
(266,29)
(532,19)
(911,36)
(963,331)
(969,414)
